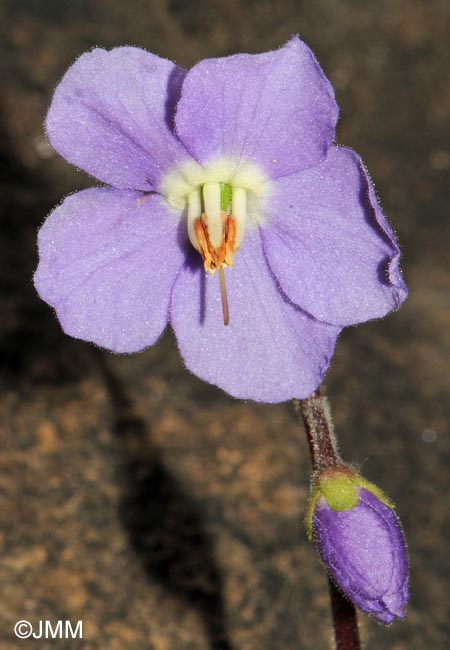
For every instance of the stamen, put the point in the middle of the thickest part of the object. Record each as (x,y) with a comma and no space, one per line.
(211,199)
(224,297)
(216,222)
(194,211)
(239,212)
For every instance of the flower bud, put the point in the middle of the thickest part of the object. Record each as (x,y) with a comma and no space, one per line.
(360,541)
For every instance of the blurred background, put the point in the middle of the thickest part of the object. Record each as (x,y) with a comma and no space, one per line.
(151,506)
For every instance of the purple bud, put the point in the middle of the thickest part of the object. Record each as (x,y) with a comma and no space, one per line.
(363,547)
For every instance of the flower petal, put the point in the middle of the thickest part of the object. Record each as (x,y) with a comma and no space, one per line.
(276,109)
(112,116)
(329,245)
(108,261)
(269,352)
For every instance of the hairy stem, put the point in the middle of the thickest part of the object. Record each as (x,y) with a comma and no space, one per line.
(345,622)
(316,414)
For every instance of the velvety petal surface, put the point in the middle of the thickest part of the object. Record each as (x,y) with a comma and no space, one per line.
(329,245)
(365,552)
(275,109)
(108,261)
(112,115)
(270,351)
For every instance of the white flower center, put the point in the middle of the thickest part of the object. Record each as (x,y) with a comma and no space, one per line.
(219,201)
(189,176)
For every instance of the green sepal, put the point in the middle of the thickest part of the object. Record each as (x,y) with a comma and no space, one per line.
(340,492)
(315,496)
(339,488)
(371,487)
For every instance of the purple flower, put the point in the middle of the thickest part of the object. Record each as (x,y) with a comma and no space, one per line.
(233,158)
(361,543)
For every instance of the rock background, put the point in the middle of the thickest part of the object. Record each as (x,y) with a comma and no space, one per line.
(153,507)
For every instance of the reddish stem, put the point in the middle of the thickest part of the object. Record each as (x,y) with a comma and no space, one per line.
(316,414)
(345,621)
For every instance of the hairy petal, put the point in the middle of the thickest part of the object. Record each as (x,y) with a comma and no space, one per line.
(275,109)
(108,261)
(112,116)
(269,352)
(329,245)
